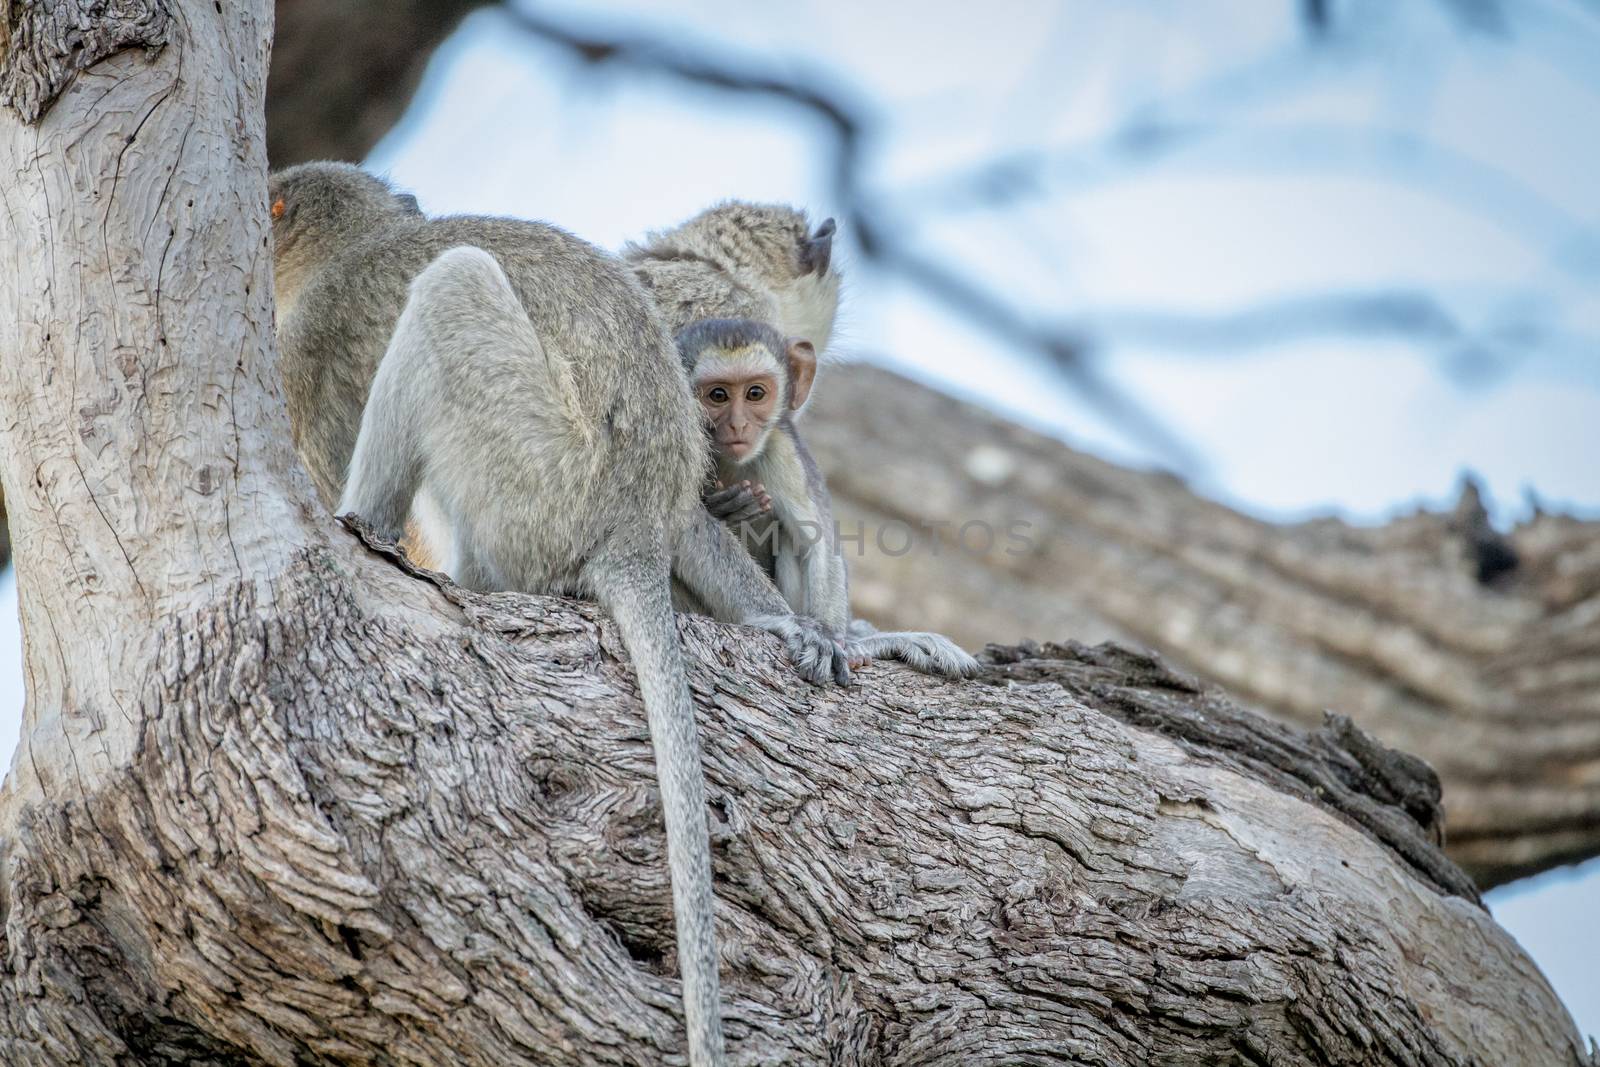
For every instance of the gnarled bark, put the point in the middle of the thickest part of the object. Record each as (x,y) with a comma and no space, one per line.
(280,801)
(1478,652)
(421,827)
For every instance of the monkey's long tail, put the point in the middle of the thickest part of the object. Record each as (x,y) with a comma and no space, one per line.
(634,589)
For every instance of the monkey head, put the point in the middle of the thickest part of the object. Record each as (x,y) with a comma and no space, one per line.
(747,378)
(315,210)
(770,247)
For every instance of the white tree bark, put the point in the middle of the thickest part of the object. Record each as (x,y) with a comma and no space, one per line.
(280,801)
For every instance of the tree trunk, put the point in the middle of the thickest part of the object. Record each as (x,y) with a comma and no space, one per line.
(281,801)
(1478,652)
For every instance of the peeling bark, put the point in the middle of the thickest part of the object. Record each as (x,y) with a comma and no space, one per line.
(1479,652)
(280,800)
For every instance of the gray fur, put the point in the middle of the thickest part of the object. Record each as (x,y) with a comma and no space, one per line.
(739,260)
(766,264)
(532,393)
(471,407)
(796,541)
(345,251)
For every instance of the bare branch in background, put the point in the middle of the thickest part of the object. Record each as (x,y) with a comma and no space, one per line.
(344,71)
(1394,314)
(1316,16)
(1479,16)
(850,126)
(1186,127)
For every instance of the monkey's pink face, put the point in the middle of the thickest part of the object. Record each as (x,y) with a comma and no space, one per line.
(740,411)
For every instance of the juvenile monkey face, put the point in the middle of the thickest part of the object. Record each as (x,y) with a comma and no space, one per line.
(740,409)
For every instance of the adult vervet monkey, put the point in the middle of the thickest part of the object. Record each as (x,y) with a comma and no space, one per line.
(739,260)
(531,390)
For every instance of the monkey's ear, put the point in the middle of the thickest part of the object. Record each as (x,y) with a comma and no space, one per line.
(818,248)
(802,359)
(408,203)
(277,209)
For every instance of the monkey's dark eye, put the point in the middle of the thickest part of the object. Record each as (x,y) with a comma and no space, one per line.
(719,395)
(756,394)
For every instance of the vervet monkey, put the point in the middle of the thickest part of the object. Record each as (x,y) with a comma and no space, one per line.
(345,249)
(764,263)
(529,387)
(750,382)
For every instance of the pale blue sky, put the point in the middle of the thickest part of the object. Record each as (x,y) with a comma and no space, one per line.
(1289,191)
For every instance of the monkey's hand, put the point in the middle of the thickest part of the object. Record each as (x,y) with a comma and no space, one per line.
(927,652)
(737,503)
(817,655)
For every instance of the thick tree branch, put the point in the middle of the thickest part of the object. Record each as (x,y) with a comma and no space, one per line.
(1477,651)
(446,849)
(344,71)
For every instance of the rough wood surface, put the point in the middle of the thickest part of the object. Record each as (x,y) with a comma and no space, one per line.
(1476,651)
(43,46)
(451,854)
(1514,775)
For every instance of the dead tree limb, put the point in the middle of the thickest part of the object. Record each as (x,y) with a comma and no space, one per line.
(344,71)
(1477,651)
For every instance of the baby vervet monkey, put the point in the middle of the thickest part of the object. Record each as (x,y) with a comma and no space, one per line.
(741,260)
(766,265)
(750,382)
(528,387)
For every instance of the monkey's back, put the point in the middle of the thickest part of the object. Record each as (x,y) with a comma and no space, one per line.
(590,314)
(687,290)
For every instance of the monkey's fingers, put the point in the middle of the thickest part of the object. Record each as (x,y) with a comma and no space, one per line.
(734,503)
(816,655)
(926,652)
(841,665)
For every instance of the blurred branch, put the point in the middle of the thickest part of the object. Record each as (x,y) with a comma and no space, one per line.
(1475,649)
(1478,16)
(1315,15)
(1404,315)
(1323,148)
(849,125)
(883,223)
(343,71)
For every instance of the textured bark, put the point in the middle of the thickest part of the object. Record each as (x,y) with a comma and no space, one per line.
(451,854)
(44,46)
(280,801)
(344,71)
(342,74)
(1478,652)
